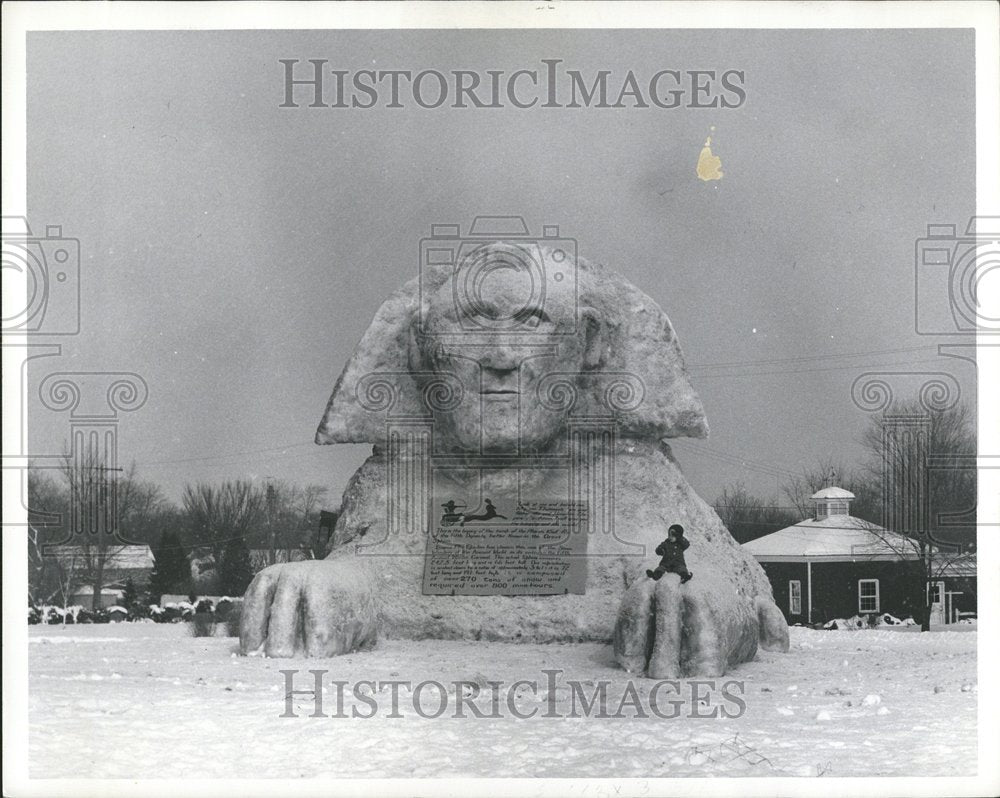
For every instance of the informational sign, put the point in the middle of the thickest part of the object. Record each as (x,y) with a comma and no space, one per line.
(533,549)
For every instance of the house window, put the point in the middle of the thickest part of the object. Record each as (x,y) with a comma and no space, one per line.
(794,597)
(867,595)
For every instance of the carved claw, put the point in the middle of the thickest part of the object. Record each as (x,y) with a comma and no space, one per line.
(633,641)
(773,627)
(668,630)
(321,608)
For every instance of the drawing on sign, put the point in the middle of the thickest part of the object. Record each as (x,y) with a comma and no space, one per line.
(450,517)
(487,515)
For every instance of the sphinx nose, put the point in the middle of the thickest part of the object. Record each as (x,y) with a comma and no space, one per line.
(501,360)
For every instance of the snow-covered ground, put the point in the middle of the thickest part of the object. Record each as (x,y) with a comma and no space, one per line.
(150,701)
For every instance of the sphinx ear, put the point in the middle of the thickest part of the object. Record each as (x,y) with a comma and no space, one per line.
(414,352)
(595,339)
(629,337)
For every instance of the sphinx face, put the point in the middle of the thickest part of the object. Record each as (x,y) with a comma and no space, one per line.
(498,334)
(516,355)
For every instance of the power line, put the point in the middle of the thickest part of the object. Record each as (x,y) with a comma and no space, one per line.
(230,454)
(736,459)
(830,356)
(692,367)
(827,368)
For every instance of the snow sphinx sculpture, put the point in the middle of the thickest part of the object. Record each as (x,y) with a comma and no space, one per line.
(519,405)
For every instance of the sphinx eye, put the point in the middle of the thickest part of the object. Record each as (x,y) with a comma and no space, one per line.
(485,310)
(534,316)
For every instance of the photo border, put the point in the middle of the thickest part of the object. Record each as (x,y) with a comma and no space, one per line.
(21,18)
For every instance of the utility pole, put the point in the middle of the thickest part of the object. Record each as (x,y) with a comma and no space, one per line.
(272,534)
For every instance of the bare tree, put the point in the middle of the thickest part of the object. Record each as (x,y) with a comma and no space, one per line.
(93,517)
(919,466)
(926,564)
(291,512)
(140,505)
(748,517)
(215,514)
(106,506)
(68,573)
(49,576)
(47,515)
(798,491)
(309,506)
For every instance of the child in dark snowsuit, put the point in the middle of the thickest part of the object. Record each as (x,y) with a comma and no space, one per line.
(672,553)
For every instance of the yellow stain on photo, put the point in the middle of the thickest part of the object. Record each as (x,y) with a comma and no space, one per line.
(709,165)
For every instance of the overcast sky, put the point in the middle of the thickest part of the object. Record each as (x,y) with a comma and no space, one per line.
(233,252)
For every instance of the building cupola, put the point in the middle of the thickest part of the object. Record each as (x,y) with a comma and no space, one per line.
(832,501)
